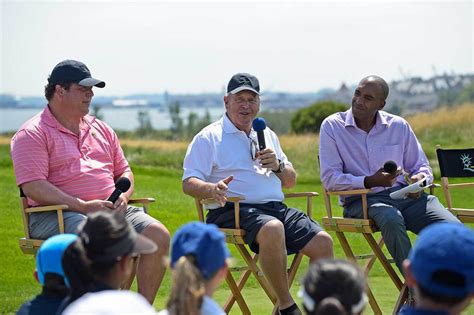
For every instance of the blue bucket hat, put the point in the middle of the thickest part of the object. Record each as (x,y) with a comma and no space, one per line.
(444,247)
(50,254)
(205,242)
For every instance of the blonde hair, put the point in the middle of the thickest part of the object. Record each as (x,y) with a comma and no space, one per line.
(188,288)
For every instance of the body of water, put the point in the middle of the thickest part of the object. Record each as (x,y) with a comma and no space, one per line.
(121,118)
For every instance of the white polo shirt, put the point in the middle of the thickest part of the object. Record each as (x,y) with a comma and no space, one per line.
(221,150)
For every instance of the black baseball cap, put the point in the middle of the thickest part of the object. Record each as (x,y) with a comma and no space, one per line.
(243,81)
(73,71)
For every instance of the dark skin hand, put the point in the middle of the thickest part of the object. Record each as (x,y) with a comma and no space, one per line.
(412,180)
(381,178)
(384,179)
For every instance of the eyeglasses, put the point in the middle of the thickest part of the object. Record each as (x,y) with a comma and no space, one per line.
(253,149)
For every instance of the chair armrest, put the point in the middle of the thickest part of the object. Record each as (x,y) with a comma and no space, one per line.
(462,185)
(141,200)
(349,192)
(309,195)
(46,208)
(301,194)
(235,199)
(209,201)
(362,192)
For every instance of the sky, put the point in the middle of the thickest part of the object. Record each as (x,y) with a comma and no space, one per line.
(195,47)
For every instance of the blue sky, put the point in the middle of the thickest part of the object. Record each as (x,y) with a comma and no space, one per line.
(194,47)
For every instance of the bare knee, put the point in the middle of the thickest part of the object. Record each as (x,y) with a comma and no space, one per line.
(325,242)
(320,246)
(159,234)
(271,233)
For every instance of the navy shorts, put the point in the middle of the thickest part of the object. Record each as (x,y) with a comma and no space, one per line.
(299,228)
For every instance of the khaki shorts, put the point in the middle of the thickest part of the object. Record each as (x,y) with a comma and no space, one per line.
(45,224)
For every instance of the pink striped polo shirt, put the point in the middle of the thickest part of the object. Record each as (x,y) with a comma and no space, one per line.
(83,166)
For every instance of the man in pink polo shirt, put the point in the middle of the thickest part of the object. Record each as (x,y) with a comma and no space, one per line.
(64,156)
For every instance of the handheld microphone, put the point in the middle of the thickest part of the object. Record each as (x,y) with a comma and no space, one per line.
(259,125)
(390,167)
(121,186)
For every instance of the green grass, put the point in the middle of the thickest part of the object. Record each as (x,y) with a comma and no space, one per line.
(158,174)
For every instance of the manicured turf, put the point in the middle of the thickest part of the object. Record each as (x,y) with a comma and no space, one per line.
(157,168)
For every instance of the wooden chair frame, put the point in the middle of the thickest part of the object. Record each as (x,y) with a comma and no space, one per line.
(367,228)
(30,246)
(236,236)
(463,214)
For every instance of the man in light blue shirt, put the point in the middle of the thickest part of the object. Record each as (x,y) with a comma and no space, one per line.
(354,146)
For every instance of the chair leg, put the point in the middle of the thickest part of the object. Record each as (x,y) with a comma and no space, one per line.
(295,263)
(257,273)
(127,284)
(345,246)
(373,302)
(294,268)
(236,294)
(383,260)
(241,283)
(350,254)
(402,299)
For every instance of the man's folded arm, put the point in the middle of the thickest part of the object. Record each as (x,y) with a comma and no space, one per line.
(45,193)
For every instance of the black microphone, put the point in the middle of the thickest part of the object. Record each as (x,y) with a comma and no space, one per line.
(259,125)
(121,186)
(390,167)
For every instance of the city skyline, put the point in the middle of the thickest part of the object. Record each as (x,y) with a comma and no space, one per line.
(194,47)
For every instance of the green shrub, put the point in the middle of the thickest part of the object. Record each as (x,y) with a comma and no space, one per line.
(309,119)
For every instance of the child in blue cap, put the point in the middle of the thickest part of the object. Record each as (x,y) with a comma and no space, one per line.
(199,259)
(440,270)
(49,272)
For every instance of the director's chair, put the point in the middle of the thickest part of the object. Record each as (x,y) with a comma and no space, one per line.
(456,163)
(236,237)
(30,246)
(367,228)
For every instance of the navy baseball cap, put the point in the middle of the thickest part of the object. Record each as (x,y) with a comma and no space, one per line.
(49,256)
(205,242)
(444,247)
(73,71)
(243,81)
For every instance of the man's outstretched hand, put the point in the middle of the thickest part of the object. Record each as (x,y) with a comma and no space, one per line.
(219,191)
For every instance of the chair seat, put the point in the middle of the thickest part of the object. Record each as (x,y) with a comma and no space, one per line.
(29,246)
(464,215)
(234,236)
(340,224)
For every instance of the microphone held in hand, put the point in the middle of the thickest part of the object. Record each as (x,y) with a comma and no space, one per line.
(259,126)
(121,186)
(390,167)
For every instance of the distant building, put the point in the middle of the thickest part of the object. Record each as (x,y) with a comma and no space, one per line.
(413,94)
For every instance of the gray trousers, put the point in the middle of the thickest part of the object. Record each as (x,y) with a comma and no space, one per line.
(395,217)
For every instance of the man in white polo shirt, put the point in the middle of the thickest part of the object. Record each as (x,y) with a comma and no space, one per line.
(223,160)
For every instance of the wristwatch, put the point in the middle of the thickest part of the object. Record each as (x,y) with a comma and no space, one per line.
(281,167)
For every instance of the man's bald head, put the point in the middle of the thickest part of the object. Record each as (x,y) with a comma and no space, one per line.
(379,81)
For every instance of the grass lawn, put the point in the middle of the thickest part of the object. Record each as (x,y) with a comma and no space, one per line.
(157,169)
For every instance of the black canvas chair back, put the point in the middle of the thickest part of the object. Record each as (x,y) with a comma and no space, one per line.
(456,162)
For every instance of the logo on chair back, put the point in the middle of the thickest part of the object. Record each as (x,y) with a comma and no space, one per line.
(467,162)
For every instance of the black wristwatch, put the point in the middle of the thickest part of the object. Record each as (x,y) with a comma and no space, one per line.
(281,167)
